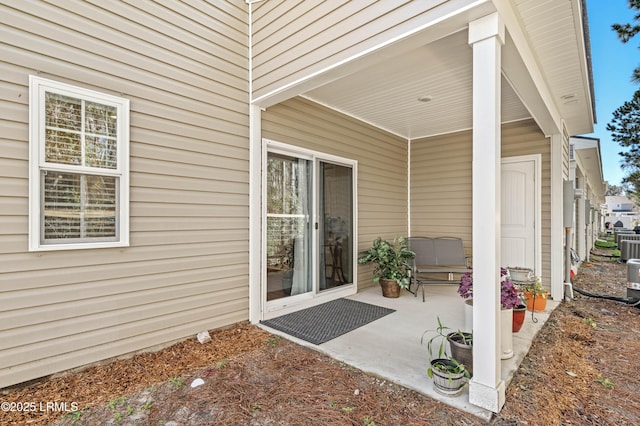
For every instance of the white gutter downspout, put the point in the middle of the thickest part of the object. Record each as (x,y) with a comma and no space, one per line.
(408,187)
(255,191)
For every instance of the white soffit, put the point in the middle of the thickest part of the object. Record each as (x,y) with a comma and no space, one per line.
(387,95)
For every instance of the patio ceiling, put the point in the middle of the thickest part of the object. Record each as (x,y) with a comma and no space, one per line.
(426,90)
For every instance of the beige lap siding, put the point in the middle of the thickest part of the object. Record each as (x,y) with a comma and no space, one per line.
(184,69)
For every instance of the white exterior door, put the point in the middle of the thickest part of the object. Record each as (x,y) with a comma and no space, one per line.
(520,212)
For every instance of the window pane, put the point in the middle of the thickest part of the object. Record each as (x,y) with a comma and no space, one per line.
(79,206)
(287,189)
(62,147)
(61,206)
(63,112)
(63,127)
(101,125)
(101,152)
(101,119)
(100,209)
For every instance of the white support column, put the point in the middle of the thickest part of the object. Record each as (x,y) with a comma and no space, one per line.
(557,215)
(255,214)
(486,36)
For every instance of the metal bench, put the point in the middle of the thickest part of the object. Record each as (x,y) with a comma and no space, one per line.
(437,261)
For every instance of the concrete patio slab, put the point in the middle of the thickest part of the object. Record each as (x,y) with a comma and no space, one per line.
(391,348)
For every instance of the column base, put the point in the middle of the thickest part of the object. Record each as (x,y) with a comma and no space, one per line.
(486,397)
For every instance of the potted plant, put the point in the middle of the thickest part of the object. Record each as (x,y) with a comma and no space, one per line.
(519,313)
(509,298)
(448,374)
(461,345)
(519,274)
(535,294)
(392,262)
(509,294)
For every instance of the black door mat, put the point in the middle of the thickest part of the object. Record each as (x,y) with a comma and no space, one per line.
(327,321)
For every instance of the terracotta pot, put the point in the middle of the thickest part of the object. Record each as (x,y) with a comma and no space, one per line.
(390,288)
(537,303)
(519,313)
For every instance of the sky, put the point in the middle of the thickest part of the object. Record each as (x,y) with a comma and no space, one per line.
(613,64)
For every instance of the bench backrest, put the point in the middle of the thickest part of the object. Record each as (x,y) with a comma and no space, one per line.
(449,251)
(439,251)
(424,249)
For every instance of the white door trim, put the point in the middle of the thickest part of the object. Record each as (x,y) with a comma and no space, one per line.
(537,199)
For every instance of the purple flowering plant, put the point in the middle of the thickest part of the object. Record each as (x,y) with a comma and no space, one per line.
(509,294)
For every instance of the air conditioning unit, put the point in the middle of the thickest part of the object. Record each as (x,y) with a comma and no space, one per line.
(629,250)
(633,278)
(626,236)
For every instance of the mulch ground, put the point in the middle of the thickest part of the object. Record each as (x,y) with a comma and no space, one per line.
(582,369)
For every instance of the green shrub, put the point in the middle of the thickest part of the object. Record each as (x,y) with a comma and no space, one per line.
(605,244)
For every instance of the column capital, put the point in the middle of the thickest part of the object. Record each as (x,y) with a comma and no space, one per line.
(487,27)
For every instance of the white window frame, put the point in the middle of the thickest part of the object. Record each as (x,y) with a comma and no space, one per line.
(37,162)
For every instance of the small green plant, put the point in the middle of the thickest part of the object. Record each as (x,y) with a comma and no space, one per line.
(333,404)
(115,402)
(368,421)
(75,417)
(440,335)
(440,359)
(176,381)
(272,342)
(256,407)
(590,321)
(222,364)
(449,366)
(147,405)
(606,383)
(118,417)
(535,288)
(347,409)
(130,410)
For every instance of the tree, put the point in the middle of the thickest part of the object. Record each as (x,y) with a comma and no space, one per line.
(625,125)
(614,190)
(625,130)
(627,31)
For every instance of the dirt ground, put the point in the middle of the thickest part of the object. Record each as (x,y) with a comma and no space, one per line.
(582,369)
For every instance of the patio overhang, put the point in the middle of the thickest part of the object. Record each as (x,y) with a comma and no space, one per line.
(476,67)
(545,69)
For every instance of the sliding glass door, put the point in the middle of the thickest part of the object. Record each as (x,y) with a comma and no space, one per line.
(309,225)
(288,226)
(336,225)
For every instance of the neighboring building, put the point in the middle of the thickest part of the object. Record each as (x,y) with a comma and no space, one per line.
(619,208)
(170,167)
(619,204)
(589,189)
